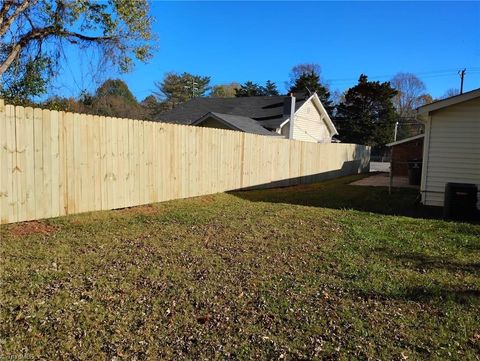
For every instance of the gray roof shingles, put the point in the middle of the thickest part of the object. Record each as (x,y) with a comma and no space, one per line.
(248,125)
(268,111)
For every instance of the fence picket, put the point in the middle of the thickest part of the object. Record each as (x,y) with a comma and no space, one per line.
(54,163)
(55,168)
(62,165)
(4,176)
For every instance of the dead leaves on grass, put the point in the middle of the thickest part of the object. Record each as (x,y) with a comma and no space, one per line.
(245,284)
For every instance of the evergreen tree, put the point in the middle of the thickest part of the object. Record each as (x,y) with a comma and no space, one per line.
(250,89)
(271,88)
(178,88)
(309,82)
(367,114)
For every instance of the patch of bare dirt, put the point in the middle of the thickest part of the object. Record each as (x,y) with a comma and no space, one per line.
(32,227)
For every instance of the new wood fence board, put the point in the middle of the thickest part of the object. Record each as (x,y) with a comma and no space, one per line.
(20,170)
(62,165)
(11,149)
(78,149)
(69,125)
(4,176)
(56,163)
(97,167)
(103,163)
(55,166)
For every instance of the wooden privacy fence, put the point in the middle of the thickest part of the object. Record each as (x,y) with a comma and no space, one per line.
(58,163)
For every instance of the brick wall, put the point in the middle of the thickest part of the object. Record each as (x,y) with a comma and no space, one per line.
(404,152)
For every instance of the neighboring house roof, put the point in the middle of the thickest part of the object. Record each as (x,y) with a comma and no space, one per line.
(426,109)
(258,115)
(238,122)
(268,111)
(405,140)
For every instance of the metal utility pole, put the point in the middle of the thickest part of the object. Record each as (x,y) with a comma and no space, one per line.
(390,181)
(395,132)
(462,75)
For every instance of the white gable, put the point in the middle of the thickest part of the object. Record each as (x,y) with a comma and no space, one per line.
(312,123)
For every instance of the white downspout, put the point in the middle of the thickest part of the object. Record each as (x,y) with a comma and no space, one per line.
(292,116)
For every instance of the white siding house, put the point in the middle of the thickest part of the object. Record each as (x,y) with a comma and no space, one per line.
(311,123)
(452,145)
(263,115)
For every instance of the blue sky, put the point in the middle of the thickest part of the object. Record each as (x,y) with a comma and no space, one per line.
(240,41)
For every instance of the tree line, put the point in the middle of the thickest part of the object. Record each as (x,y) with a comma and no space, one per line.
(35,35)
(365,113)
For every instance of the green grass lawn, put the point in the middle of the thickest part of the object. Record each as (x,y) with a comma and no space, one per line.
(324,271)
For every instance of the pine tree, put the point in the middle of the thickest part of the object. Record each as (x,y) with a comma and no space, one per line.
(179,88)
(309,82)
(367,114)
(271,88)
(250,89)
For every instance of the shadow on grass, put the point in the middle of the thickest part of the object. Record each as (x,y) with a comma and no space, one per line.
(340,194)
(428,294)
(440,289)
(421,262)
(473,247)
(458,295)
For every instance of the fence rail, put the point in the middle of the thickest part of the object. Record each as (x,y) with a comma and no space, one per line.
(58,163)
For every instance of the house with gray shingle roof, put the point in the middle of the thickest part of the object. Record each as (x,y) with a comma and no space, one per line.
(263,115)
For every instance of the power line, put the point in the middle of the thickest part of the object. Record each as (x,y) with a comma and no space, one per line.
(427,74)
(336,82)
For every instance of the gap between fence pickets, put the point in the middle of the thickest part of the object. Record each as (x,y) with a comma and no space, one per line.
(71,163)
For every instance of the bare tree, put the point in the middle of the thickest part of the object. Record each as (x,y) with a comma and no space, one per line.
(338,96)
(411,94)
(302,69)
(450,93)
